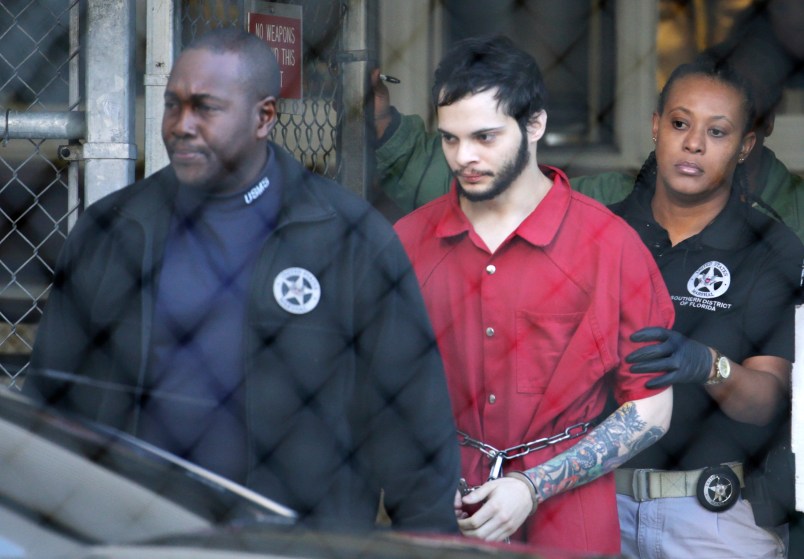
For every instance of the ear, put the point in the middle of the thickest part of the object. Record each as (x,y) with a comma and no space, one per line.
(747,145)
(267,116)
(537,126)
(655,126)
(770,121)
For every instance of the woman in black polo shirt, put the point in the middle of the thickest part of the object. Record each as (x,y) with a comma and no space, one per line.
(734,276)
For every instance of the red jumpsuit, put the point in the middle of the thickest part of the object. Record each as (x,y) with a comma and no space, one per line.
(533,337)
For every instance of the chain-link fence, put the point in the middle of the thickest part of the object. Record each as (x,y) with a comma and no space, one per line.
(186,400)
(36,55)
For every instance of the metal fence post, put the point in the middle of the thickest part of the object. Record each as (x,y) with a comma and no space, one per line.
(110,152)
(74,102)
(355,134)
(160,49)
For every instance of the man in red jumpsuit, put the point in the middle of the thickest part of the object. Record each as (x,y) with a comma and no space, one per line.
(533,291)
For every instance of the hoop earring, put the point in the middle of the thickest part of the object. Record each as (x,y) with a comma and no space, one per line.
(654,139)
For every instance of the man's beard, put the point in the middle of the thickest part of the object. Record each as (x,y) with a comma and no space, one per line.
(506,176)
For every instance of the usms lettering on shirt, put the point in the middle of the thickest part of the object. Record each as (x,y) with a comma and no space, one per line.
(256,191)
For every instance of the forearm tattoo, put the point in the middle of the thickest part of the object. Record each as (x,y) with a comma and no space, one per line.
(619,437)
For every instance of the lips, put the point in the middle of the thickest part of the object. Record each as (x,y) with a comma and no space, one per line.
(185,154)
(473,177)
(689,168)
(184,151)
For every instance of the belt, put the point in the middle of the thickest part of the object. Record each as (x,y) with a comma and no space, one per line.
(646,484)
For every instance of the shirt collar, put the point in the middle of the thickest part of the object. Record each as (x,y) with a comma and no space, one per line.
(191,200)
(539,228)
(728,231)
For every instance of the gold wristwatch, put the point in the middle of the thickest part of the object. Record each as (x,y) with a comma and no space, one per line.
(722,369)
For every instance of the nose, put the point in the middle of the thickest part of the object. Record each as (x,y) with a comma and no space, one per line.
(465,154)
(695,140)
(182,123)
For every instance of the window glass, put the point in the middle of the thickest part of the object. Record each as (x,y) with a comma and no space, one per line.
(573,42)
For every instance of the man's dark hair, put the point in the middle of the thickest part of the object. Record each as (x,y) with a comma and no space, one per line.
(480,64)
(719,70)
(258,63)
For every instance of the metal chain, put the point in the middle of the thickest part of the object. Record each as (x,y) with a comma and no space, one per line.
(572,432)
(497,457)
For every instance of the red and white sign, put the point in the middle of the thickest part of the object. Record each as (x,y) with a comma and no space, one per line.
(284,34)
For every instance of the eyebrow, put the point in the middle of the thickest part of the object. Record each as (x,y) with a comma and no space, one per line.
(196,97)
(475,132)
(715,117)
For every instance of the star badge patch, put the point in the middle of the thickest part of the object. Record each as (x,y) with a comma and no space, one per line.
(297,290)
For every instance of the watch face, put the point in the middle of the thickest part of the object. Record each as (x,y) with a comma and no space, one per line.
(723,368)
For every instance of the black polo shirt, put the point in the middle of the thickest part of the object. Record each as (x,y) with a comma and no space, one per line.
(734,288)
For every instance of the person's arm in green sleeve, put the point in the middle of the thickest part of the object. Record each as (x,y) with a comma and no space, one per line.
(606,188)
(410,164)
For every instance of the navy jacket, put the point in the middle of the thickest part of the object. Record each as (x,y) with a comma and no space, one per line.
(342,401)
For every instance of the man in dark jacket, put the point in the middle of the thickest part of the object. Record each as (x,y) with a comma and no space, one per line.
(252,317)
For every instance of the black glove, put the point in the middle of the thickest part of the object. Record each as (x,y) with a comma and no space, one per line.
(685,360)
